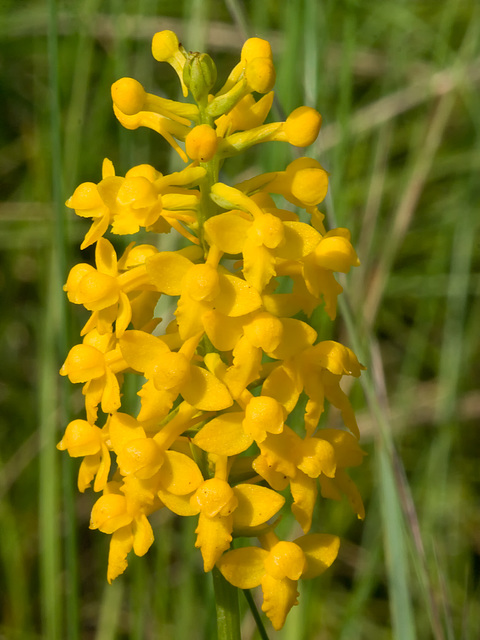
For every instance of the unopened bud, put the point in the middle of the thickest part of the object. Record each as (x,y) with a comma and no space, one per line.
(199,75)
(165,46)
(128,95)
(201,143)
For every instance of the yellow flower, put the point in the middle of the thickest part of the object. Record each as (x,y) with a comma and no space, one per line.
(317,370)
(127,521)
(170,373)
(201,287)
(233,381)
(88,203)
(96,362)
(144,198)
(278,567)
(86,440)
(223,508)
(262,237)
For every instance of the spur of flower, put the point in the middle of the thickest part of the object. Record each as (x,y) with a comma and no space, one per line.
(233,387)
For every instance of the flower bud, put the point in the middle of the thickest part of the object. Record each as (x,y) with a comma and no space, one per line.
(128,95)
(199,75)
(165,46)
(308,180)
(81,439)
(201,143)
(256,48)
(302,126)
(110,513)
(83,363)
(260,75)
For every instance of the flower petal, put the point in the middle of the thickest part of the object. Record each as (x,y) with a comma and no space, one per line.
(106,258)
(123,428)
(121,544)
(213,538)
(179,474)
(244,568)
(304,493)
(320,550)
(142,350)
(180,505)
(300,240)
(227,231)
(296,337)
(224,435)
(245,369)
(142,535)
(256,505)
(236,297)
(111,393)
(204,391)
(103,470)
(223,331)
(279,596)
(88,469)
(283,385)
(166,271)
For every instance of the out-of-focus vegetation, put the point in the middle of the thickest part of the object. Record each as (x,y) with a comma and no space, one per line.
(397,85)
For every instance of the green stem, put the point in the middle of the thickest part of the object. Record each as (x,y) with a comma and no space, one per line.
(207,207)
(228,612)
(258,620)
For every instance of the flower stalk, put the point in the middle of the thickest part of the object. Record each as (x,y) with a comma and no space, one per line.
(227,608)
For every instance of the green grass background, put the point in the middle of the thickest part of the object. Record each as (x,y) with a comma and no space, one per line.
(397,85)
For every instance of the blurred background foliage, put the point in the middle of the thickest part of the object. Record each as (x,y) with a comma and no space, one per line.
(397,85)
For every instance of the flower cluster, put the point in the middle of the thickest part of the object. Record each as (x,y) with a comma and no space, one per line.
(215,435)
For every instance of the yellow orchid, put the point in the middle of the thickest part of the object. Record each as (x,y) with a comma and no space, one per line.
(304,183)
(127,521)
(201,287)
(82,439)
(100,291)
(223,508)
(97,362)
(233,379)
(317,370)
(261,235)
(277,568)
(170,373)
(234,432)
(144,198)
(87,203)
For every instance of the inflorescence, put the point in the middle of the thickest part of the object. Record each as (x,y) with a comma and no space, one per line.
(214,436)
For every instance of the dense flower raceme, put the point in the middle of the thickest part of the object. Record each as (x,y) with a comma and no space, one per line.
(214,436)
